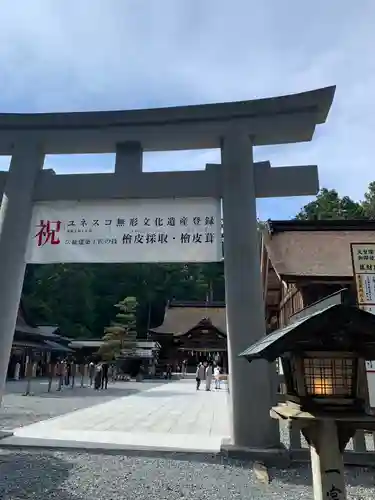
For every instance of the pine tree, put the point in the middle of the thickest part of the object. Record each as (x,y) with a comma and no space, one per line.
(122,334)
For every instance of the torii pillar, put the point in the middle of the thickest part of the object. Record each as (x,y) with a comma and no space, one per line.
(244,298)
(233,127)
(250,385)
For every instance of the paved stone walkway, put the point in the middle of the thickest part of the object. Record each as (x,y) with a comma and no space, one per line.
(172,417)
(18,410)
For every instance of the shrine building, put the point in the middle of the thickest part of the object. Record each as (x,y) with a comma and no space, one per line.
(304,263)
(192,332)
(34,343)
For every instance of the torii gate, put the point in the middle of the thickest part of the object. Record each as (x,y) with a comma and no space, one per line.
(235,128)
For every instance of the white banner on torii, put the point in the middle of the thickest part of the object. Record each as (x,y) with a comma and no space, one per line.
(160,230)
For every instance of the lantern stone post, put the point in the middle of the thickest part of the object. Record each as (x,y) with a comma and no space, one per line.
(327,464)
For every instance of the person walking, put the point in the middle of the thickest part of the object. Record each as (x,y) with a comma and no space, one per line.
(111,373)
(98,377)
(68,371)
(184,368)
(105,368)
(200,374)
(208,376)
(217,373)
(91,372)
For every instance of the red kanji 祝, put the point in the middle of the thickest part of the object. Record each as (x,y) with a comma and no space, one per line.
(48,232)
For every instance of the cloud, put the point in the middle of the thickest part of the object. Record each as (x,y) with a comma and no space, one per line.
(115,54)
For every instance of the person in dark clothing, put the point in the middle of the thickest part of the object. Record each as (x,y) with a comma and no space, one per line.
(168,372)
(98,377)
(105,369)
(68,372)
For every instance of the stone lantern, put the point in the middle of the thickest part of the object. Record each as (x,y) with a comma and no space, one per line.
(323,360)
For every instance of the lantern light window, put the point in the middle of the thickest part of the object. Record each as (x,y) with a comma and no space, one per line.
(333,377)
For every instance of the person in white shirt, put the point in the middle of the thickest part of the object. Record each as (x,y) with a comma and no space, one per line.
(217,372)
(91,372)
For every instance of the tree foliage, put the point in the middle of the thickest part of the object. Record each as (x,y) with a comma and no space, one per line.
(369,201)
(80,298)
(330,205)
(122,333)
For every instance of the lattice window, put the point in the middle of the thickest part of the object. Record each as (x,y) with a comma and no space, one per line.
(332,377)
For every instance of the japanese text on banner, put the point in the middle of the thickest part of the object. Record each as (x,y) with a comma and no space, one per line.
(153,231)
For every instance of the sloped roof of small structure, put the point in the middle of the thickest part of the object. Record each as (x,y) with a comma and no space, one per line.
(50,331)
(315,248)
(89,343)
(182,317)
(56,346)
(97,343)
(351,328)
(41,337)
(24,323)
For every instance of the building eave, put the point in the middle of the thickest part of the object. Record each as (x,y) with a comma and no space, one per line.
(281,226)
(200,326)
(313,278)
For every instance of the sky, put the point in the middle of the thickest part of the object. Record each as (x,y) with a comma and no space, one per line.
(82,55)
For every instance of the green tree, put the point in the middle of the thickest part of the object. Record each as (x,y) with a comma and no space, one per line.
(261,224)
(122,334)
(62,294)
(212,281)
(79,298)
(329,205)
(369,202)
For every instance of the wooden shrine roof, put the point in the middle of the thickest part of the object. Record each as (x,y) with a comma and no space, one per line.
(24,323)
(28,334)
(315,248)
(180,318)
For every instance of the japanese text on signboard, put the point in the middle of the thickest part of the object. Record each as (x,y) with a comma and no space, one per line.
(183,224)
(363,255)
(148,231)
(363,258)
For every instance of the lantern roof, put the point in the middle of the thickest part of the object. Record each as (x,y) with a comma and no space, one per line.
(338,327)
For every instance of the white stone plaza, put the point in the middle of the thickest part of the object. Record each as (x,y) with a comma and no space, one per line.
(170,417)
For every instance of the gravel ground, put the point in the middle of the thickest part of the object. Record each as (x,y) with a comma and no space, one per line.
(18,410)
(47,475)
